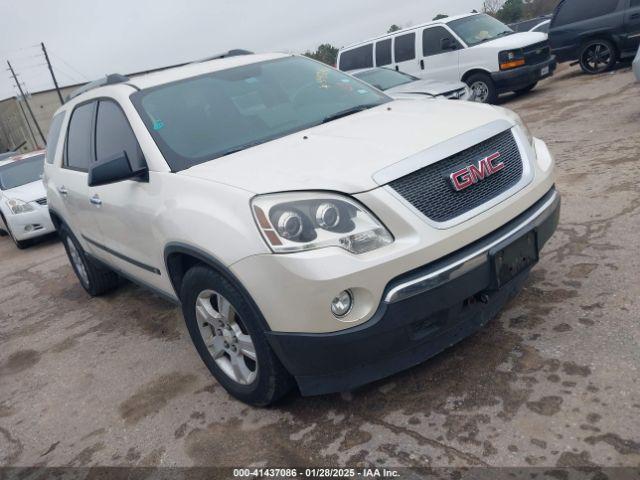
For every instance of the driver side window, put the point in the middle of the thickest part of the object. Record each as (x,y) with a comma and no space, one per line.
(114,135)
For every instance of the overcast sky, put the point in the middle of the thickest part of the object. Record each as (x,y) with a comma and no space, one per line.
(88,39)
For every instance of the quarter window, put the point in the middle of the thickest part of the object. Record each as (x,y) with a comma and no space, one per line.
(53,136)
(78,153)
(405,47)
(572,11)
(432,41)
(383,53)
(114,135)
(360,57)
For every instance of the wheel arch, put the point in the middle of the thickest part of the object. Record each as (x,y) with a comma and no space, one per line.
(604,35)
(473,71)
(180,257)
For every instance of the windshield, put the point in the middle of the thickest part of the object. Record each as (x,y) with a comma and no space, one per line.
(384,79)
(202,118)
(479,28)
(21,172)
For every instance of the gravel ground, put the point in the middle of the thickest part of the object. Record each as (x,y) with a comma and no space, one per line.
(554,381)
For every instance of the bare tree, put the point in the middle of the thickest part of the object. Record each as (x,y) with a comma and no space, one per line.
(492,7)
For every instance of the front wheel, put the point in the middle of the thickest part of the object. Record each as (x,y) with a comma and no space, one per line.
(597,56)
(230,340)
(483,88)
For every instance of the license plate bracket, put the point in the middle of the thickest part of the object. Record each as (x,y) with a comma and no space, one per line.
(545,71)
(511,260)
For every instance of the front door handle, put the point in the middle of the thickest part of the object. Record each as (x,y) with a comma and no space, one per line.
(422,64)
(96,200)
(635,16)
(63,190)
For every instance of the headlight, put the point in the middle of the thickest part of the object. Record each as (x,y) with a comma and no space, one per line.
(298,221)
(509,59)
(518,121)
(18,206)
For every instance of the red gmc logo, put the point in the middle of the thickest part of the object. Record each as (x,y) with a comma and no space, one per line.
(472,174)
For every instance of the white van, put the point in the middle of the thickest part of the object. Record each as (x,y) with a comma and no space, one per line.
(475,48)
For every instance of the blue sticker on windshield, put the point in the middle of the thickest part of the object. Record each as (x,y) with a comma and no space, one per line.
(158,125)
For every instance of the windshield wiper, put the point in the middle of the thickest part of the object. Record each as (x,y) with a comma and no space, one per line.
(349,111)
(239,148)
(505,33)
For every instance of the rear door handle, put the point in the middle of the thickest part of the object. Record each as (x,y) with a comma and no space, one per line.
(63,190)
(95,200)
(635,16)
(422,64)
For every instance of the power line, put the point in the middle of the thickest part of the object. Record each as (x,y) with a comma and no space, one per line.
(27,103)
(69,65)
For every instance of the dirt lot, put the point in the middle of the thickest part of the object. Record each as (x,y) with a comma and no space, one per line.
(554,381)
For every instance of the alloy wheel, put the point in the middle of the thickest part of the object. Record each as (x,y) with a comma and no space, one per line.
(78,264)
(597,57)
(226,338)
(480,91)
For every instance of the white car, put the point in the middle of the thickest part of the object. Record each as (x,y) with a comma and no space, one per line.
(401,85)
(636,65)
(23,200)
(475,48)
(313,230)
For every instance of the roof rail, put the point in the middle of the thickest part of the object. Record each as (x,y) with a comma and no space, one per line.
(236,52)
(112,79)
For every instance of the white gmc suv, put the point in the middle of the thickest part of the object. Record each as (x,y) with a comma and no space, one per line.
(314,231)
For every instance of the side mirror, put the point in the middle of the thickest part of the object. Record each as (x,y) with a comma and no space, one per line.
(448,44)
(115,169)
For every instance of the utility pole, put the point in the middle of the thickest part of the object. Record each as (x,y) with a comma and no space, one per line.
(44,140)
(35,142)
(53,76)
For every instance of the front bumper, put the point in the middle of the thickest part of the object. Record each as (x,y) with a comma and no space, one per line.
(36,223)
(423,313)
(522,77)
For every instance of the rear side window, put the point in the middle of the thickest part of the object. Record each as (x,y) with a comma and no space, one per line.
(572,11)
(432,41)
(635,3)
(53,136)
(405,47)
(361,57)
(78,151)
(383,53)
(114,135)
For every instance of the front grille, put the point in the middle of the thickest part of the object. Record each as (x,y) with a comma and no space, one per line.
(42,201)
(430,191)
(537,53)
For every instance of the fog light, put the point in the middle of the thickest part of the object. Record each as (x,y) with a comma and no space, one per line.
(28,228)
(342,304)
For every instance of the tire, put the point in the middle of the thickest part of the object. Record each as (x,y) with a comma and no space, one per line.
(233,344)
(20,244)
(95,279)
(526,89)
(483,88)
(598,56)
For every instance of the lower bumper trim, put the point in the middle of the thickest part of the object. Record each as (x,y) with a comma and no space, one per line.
(409,331)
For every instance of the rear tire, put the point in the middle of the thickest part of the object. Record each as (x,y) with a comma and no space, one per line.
(230,339)
(483,88)
(598,56)
(95,279)
(526,89)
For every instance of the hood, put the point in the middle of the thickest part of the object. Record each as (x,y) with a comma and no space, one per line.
(517,40)
(430,87)
(27,193)
(343,155)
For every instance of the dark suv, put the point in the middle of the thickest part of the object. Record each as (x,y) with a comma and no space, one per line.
(596,33)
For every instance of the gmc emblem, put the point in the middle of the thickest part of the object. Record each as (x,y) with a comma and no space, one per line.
(472,174)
